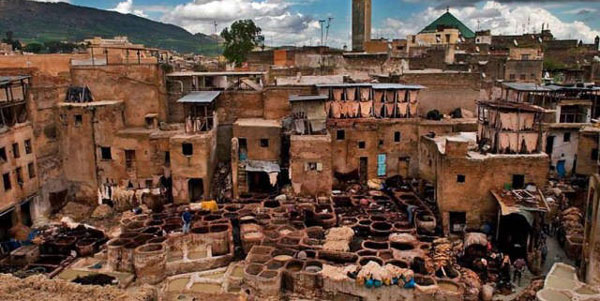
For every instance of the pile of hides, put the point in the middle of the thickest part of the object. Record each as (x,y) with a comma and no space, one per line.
(375,275)
(571,221)
(473,238)
(336,272)
(338,239)
(472,283)
(402,238)
(529,293)
(442,253)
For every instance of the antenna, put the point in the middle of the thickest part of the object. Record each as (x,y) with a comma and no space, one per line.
(328,25)
(478,24)
(321,22)
(215,24)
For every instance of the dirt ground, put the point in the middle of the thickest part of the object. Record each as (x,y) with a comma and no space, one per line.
(37,288)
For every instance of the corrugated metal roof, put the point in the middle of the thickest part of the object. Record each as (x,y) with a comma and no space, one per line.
(346,85)
(7,79)
(224,73)
(294,98)
(200,97)
(372,85)
(528,87)
(397,87)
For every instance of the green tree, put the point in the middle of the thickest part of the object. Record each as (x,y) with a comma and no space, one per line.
(240,39)
(33,47)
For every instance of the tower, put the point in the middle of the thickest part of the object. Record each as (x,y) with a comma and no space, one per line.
(361,24)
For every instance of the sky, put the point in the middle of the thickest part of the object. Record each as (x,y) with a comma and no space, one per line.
(296,22)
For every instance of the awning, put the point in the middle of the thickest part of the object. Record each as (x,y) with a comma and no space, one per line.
(202,97)
(262,166)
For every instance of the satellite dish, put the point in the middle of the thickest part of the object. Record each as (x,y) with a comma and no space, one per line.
(476,48)
(515,42)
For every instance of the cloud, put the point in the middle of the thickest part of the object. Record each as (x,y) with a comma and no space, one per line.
(126,7)
(463,3)
(501,18)
(279,24)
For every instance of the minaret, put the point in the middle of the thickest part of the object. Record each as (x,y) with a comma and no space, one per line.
(361,24)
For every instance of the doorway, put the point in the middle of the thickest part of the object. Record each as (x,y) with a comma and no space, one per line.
(403,167)
(243,149)
(259,182)
(549,145)
(363,168)
(196,190)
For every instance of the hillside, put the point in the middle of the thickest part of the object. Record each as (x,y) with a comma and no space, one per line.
(39,22)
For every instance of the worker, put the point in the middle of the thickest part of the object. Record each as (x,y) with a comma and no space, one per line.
(518,273)
(410,211)
(186,217)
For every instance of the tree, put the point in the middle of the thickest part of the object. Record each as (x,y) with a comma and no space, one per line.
(240,39)
(33,48)
(9,40)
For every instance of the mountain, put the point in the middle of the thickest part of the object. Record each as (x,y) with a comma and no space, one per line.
(32,21)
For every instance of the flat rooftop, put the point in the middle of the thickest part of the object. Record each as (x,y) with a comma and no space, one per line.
(89,104)
(258,122)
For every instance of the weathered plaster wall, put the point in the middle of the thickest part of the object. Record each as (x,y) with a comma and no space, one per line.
(311,149)
(30,185)
(141,87)
(81,142)
(253,135)
(481,175)
(591,245)
(564,150)
(586,163)
(200,165)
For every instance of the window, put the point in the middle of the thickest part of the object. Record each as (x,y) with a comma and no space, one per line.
(167,158)
(362,144)
(187,149)
(397,136)
(19,173)
(523,76)
(105,153)
(3,157)
(16,153)
(532,75)
(567,137)
(31,170)
(380,143)
(311,166)
(6,180)
(340,135)
(28,146)
(518,181)
(595,154)
(461,178)
(264,142)
(381,165)
(512,77)
(78,120)
(458,221)
(129,158)
(525,57)
(149,183)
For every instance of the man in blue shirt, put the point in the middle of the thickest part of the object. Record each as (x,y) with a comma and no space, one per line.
(187,220)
